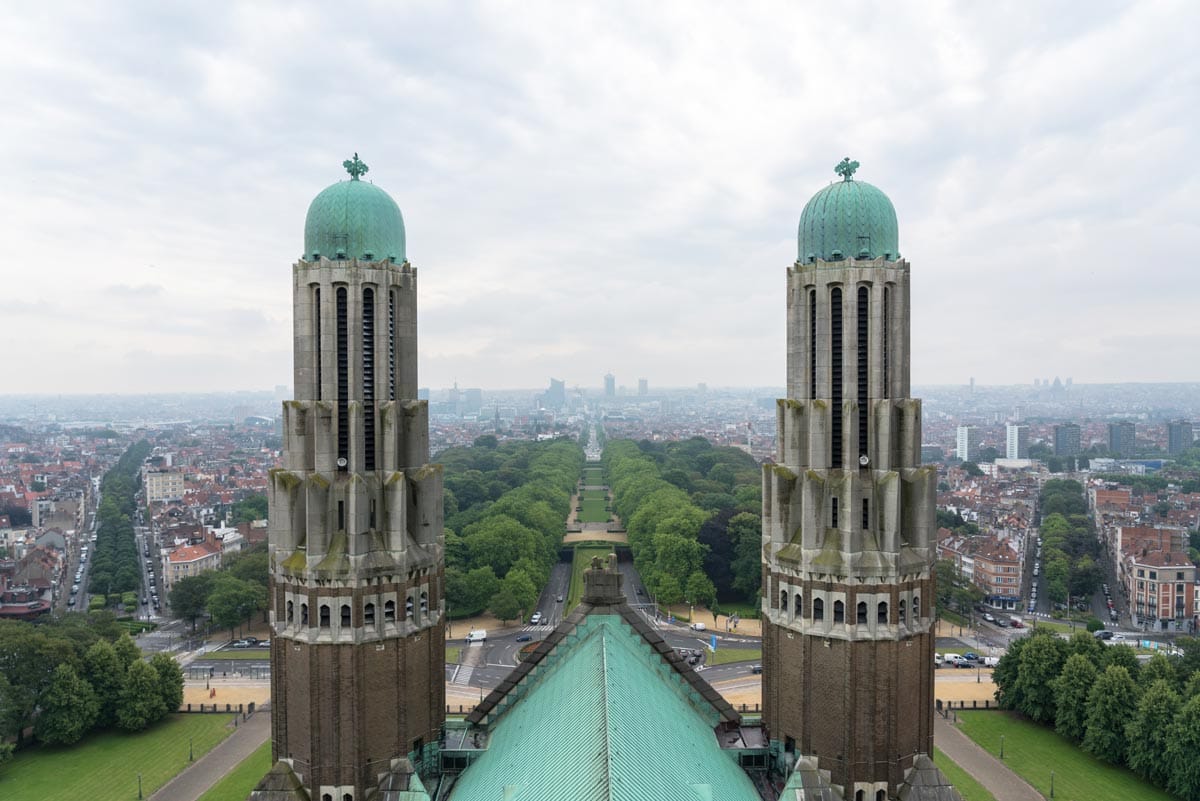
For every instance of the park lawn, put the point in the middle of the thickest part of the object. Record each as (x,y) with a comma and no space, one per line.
(964,782)
(1033,751)
(237,783)
(252,654)
(104,766)
(593,476)
(723,656)
(452,654)
(593,511)
(583,560)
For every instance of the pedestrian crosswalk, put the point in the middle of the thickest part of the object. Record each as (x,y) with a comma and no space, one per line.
(538,627)
(462,676)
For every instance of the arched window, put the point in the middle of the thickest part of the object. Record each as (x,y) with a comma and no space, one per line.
(916,608)
(326,797)
(345,616)
(859,795)
(389,612)
(317,334)
(881,795)
(818,609)
(303,614)
(902,616)
(368,377)
(862,613)
(324,616)
(835,374)
(881,611)
(783,600)
(424,603)
(343,382)
(347,797)
(408,608)
(369,614)
(864,308)
(798,605)
(812,343)
(839,612)
(291,611)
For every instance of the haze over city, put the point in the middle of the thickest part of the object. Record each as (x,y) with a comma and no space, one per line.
(589,190)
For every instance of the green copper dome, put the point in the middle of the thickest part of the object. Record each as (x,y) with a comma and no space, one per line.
(848,219)
(353,220)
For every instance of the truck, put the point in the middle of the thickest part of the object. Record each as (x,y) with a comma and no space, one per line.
(477,635)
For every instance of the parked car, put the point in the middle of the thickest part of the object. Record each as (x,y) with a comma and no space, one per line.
(560,599)
(991,661)
(756,668)
(957,660)
(971,655)
(536,618)
(524,638)
(1103,634)
(989,617)
(938,660)
(477,635)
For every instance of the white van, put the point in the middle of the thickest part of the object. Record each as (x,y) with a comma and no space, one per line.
(938,659)
(537,618)
(957,660)
(477,635)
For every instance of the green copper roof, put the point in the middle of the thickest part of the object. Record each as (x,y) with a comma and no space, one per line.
(605,719)
(848,219)
(355,218)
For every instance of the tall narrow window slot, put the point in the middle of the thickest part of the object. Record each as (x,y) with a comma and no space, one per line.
(368,378)
(887,342)
(317,334)
(392,345)
(864,308)
(866,514)
(812,343)
(835,376)
(833,516)
(343,383)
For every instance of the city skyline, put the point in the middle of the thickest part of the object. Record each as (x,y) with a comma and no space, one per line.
(587,190)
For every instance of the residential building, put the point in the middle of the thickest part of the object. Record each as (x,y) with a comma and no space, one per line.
(189,560)
(1180,436)
(163,485)
(1016,441)
(1067,440)
(967,448)
(1122,438)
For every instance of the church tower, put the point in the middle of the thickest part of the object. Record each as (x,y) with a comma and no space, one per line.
(848,512)
(357,652)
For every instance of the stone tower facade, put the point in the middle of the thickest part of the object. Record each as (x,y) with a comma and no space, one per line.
(356,544)
(848,512)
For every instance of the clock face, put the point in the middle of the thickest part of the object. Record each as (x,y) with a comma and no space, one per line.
(864,460)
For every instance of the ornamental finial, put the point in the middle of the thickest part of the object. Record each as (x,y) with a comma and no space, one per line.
(355,167)
(846,168)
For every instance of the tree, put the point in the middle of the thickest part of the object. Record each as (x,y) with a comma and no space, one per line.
(1007,672)
(1157,668)
(189,596)
(1040,663)
(668,590)
(141,701)
(249,510)
(745,530)
(700,589)
(971,469)
(1071,690)
(233,600)
(68,708)
(126,650)
(1111,704)
(1149,732)
(1121,656)
(103,671)
(1183,743)
(522,588)
(505,605)
(170,680)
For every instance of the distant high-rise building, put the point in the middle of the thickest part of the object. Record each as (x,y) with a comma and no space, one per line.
(643,387)
(1122,438)
(1067,440)
(610,386)
(972,385)
(1179,436)
(556,396)
(1016,441)
(702,387)
(967,447)
(472,401)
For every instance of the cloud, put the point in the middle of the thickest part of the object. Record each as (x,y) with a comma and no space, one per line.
(593,188)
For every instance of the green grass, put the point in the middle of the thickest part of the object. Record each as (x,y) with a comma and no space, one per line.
(238,783)
(964,782)
(952,617)
(723,656)
(105,766)
(259,654)
(1033,751)
(593,510)
(452,654)
(593,476)
(583,560)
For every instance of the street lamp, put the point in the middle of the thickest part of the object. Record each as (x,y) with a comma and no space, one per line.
(1052,784)
(1002,746)
(139,787)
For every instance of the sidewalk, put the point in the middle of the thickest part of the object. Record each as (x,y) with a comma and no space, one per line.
(993,774)
(206,771)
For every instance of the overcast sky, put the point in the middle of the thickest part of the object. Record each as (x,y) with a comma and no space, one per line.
(593,187)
